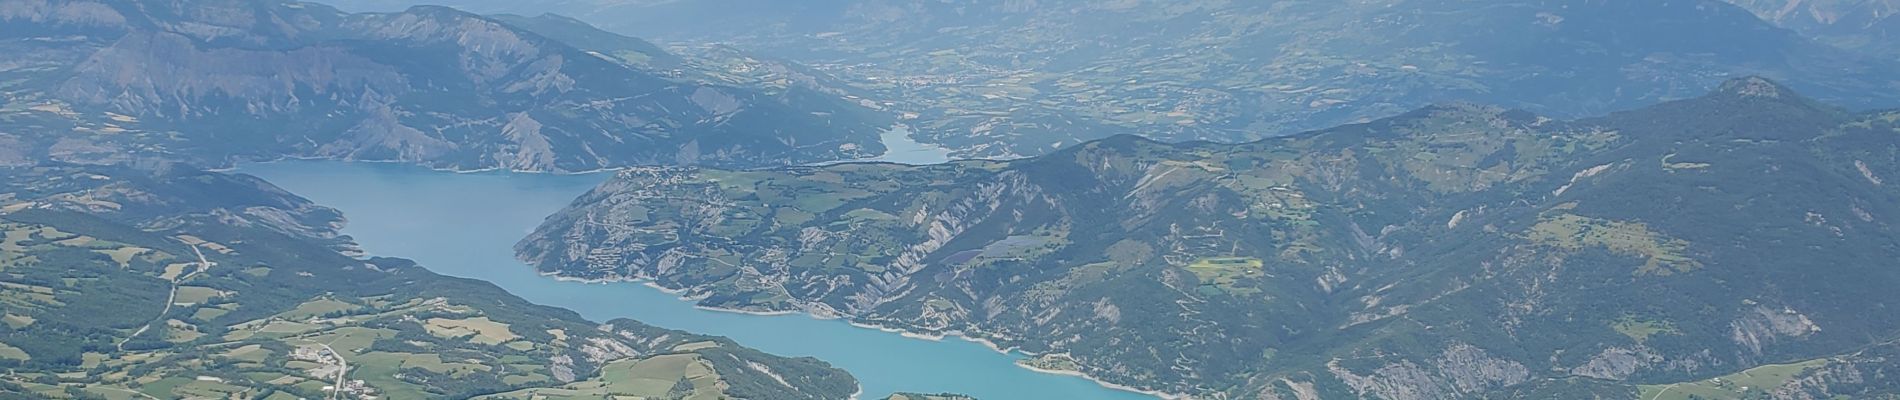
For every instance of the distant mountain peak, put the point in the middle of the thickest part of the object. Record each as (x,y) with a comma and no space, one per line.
(1866,26)
(1751,106)
(443,13)
(1755,87)
(1756,92)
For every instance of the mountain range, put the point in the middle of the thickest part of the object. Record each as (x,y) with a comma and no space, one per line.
(1862,25)
(1293,199)
(1019,78)
(1456,251)
(218,81)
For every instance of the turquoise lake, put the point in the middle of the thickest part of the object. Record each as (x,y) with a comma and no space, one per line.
(900,148)
(466,224)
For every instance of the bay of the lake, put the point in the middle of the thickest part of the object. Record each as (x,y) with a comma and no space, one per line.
(466,225)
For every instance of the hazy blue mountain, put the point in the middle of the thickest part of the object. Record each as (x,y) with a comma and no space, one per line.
(477,6)
(579,34)
(1861,25)
(214,81)
(1006,78)
(1454,251)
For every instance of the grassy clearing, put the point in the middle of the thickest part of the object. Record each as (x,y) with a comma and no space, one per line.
(13,353)
(188,295)
(648,378)
(19,241)
(485,330)
(522,379)
(380,370)
(249,352)
(352,339)
(28,288)
(17,321)
(1756,382)
(201,389)
(175,270)
(1221,274)
(179,331)
(123,255)
(209,313)
(866,214)
(163,388)
(1663,255)
(1021,246)
(287,327)
(214,246)
(686,347)
(286,380)
(90,360)
(76,241)
(16,238)
(655,376)
(318,307)
(434,363)
(19,238)
(1641,330)
(113,393)
(26,296)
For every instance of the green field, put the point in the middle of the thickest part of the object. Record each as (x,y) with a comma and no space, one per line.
(657,377)
(1642,330)
(196,294)
(12,353)
(1755,382)
(317,307)
(1222,274)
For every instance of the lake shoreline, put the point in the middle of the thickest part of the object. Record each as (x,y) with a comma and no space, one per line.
(1106,384)
(231,166)
(419,213)
(833,315)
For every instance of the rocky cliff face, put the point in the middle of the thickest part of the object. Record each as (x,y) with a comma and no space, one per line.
(1456,251)
(1868,373)
(216,81)
(1861,25)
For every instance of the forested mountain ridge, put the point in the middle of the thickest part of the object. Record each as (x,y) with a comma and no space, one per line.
(162,281)
(1455,251)
(217,81)
(1020,78)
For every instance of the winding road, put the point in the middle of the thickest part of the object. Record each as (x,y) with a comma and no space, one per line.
(203,265)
